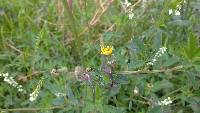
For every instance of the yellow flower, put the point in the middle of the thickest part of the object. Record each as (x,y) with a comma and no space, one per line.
(106,50)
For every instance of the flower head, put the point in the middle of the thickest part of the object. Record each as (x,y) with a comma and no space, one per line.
(10,80)
(165,102)
(106,50)
(33,96)
(158,54)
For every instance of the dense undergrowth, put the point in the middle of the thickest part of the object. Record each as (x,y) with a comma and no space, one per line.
(54,56)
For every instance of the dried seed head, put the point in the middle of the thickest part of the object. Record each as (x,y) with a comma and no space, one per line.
(107,70)
(23,78)
(78,72)
(55,73)
(62,70)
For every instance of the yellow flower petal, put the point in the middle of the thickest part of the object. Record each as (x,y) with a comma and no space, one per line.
(106,50)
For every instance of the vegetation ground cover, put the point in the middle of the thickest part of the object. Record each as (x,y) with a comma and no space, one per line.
(100,56)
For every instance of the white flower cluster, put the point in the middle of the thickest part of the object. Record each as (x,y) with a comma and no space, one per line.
(34,94)
(177,10)
(12,82)
(59,94)
(165,102)
(127,6)
(144,3)
(157,55)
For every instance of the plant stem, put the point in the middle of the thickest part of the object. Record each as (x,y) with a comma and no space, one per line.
(32,109)
(153,71)
(94,93)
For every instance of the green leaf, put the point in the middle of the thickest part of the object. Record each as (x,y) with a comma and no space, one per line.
(107,36)
(112,109)
(114,90)
(173,3)
(157,41)
(192,43)
(171,61)
(179,22)
(70,94)
(195,108)
(130,105)
(193,100)
(192,51)
(194,103)
(89,107)
(137,45)
(58,101)
(161,85)
(136,64)
(192,80)
(156,109)
(121,79)
(195,5)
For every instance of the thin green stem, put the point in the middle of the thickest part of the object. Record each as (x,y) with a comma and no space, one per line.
(175,91)
(94,94)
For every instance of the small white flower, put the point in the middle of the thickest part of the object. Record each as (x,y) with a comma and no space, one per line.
(34,94)
(20,90)
(31,99)
(128,9)
(165,102)
(59,94)
(126,3)
(177,13)
(170,11)
(158,54)
(154,60)
(136,90)
(150,63)
(163,49)
(177,10)
(12,82)
(130,16)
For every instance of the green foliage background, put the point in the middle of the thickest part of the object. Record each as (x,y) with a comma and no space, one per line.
(47,39)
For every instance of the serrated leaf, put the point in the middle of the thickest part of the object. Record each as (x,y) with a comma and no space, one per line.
(192,43)
(192,51)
